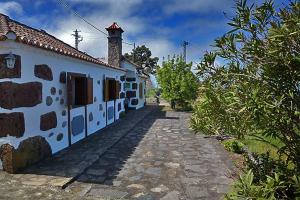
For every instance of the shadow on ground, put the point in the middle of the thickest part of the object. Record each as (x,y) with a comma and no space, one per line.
(106,169)
(100,157)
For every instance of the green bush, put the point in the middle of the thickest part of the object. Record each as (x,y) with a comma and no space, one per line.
(122,114)
(255,91)
(244,188)
(234,146)
(277,186)
(262,166)
(152,93)
(177,82)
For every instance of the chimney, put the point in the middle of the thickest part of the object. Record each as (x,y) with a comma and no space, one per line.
(114,44)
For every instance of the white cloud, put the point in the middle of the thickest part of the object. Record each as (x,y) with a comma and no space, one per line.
(10,7)
(94,42)
(121,11)
(112,7)
(204,6)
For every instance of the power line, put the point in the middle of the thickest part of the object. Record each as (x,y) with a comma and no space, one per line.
(62,2)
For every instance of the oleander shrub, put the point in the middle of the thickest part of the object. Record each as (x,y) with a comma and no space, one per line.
(255,90)
(249,86)
(234,145)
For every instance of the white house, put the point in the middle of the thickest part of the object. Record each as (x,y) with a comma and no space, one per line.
(53,95)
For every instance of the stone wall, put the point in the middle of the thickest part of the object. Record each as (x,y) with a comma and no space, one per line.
(12,124)
(30,151)
(33,105)
(15,95)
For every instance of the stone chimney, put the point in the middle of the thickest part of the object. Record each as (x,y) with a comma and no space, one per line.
(114,44)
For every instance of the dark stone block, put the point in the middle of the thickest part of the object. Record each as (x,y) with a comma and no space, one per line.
(43,72)
(64,124)
(14,95)
(100,107)
(122,78)
(12,124)
(98,123)
(59,137)
(63,77)
(62,101)
(119,106)
(64,113)
(77,125)
(51,135)
(134,102)
(130,94)
(130,79)
(29,152)
(10,73)
(91,117)
(122,95)
(53,90)
(110,113)
(48,121)
(60,92)
(49,101)
(134,86)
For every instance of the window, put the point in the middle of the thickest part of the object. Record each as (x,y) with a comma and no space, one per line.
(127,86)
(80,90)
(111,89)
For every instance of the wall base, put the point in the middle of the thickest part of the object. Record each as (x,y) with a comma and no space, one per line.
(30,151)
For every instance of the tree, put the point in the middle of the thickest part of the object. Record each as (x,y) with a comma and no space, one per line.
(256,91)
(142,56)
(177,81)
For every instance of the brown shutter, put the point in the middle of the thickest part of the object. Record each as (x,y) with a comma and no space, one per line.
(141,90)
(104,89)
(69,90)
(106,95)
(117,92)
(89,91)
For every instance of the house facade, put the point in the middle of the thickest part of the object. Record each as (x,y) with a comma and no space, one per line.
(53,95)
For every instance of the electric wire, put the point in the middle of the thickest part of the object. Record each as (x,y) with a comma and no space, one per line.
(63,3)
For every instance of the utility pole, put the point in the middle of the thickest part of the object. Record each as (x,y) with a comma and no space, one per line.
(184,44)
(78,38)
(134,52)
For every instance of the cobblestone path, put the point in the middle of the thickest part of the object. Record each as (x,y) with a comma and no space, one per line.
(159,158)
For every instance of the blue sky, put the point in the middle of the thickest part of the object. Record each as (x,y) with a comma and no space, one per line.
(161,25)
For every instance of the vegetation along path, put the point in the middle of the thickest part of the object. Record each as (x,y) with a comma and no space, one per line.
(158,158)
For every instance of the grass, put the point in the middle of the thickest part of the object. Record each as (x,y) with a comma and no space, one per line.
(259,146)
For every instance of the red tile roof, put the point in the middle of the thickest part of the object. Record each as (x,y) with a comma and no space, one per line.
(114,26)
(41,39)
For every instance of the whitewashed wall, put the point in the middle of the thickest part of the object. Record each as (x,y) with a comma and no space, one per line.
(30,57)
(132,73)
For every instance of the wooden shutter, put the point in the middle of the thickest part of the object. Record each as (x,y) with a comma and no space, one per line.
(69,90)
(117,92)
(106,93)
(141,90)
(89,91)
(104,89)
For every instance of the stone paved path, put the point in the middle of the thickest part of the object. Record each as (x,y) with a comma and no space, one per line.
(158,158)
